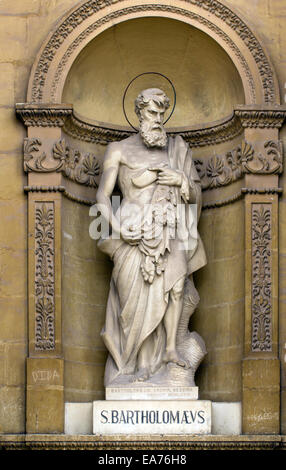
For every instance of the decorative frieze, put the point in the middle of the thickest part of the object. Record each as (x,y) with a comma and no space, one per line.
(221,170)
(261,338)
(44,276)
(81,168)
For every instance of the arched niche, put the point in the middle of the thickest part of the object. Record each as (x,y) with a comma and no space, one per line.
(89,19)
(207,83)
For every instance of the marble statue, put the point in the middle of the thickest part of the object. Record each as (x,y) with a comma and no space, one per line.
(155,249)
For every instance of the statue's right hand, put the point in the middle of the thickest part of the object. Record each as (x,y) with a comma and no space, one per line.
(131,236)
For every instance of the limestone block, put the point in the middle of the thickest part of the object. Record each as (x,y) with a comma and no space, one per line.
(7,84)
(40,26)
(22,72)
(222,382)
(12,180)
(78,418)
(261,396)
(283,411)
(12,132)
(258,373)
(15,358)
(83,323)
(228,231)
(13,34)
(76,238)
(82,396)
(13,228)
(218,355)
(45,395)
(13,318)
(12,410)
(77,271)
(84,376)
(261,412)
(221,281)
(226,418)
(2,365)
(277,8)
(205,228)
(213,321)
(12,272)
(93,355)
(18,7)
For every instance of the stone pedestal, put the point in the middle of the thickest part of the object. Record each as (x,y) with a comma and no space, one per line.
(152,417)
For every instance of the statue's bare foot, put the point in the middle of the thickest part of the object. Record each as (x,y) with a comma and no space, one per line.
(173,356)
(142,375)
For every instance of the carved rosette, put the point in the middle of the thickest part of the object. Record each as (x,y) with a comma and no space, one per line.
(261,339)
(44,276)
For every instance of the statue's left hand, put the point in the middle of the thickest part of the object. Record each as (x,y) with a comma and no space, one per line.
(168,177)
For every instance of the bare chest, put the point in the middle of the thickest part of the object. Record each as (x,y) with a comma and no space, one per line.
(137,158)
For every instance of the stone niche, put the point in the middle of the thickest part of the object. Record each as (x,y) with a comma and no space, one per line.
(228,110)
(208,87)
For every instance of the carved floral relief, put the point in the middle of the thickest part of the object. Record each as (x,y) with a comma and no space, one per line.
(44,276)
(261,278)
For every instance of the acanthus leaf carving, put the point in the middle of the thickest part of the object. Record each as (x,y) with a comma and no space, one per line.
(221,170)
(83,169)
(261,278)
(44,276)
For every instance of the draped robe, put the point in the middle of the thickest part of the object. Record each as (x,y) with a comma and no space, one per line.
(135,310)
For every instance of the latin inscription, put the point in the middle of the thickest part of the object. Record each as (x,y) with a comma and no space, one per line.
(152,417)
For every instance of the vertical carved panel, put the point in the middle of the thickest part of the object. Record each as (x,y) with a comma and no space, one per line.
(44,276)
(261,216)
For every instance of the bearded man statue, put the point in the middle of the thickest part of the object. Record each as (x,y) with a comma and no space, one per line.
(155,249)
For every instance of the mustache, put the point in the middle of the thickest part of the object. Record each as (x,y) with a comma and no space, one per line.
(153,135)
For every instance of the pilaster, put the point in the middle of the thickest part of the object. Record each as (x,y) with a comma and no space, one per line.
(45,365)
(261,366)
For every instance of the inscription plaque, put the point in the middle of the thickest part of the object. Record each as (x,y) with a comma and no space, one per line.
(152,417)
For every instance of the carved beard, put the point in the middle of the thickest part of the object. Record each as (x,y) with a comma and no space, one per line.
(153,137)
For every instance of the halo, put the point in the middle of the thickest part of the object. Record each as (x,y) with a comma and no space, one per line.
(135,78)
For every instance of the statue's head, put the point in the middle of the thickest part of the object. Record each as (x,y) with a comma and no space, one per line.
(150,107)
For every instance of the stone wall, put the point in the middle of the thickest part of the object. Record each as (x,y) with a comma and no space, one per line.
(23,27)
(86,277)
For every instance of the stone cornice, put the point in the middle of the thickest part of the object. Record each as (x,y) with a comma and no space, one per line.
(262,117)
(43,115)
(124,442)
(197,136)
